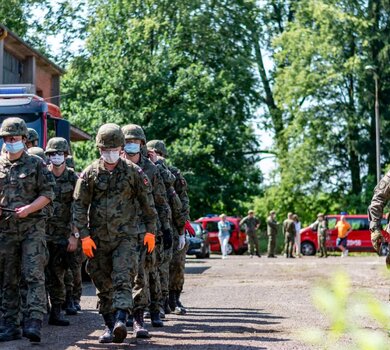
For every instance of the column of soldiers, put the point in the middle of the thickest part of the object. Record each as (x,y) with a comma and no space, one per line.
(127,212)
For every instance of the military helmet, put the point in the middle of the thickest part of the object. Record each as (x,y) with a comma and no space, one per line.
(57,144)
(251,212)
(69,161)
(37,151)
(158,146)
(13,127)
(134,131)
(32,135)
(110,136)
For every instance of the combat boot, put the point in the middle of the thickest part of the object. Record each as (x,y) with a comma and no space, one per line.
(172,300)
(138,325)
(56,318)
(162,313)
(120,331)
(107,336)
(9,331)
(32,330)
(156,320)
(167,309)
(70,309)
(179,304)
(77,305)
(2,323)
(129,322)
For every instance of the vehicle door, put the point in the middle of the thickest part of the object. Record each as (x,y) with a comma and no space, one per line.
(212,229)
(359,238)
(332,233)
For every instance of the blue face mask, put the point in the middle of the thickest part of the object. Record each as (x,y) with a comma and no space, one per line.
(14,147)
(132,148)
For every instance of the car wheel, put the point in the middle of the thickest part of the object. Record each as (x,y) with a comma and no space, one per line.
(307,248)
(230,249)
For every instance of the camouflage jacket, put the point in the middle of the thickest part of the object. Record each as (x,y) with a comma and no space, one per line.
(251,223)
(178,216)
(105,204)
(289,227)
(181,187)
(23,181)
(58,226)
(272,226)
(378,202)
(158,191)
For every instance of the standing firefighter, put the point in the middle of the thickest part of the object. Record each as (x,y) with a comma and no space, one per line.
(105,213)
(26,187)
(147,289)
(375,214)
(252,224)
(60,242)
(179,248)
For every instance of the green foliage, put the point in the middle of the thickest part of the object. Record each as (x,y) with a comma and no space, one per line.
(345,311)
(183,72)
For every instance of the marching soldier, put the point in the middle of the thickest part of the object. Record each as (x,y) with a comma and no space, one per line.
(60,242)
(177,263)
(27,188)
(147,289)
(107,196)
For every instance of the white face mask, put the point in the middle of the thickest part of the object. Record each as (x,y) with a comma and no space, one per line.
(57,160)
(110,157)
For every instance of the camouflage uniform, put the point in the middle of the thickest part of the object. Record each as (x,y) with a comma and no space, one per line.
(73,278)
(22,241)
(105,209)
(58,230)
(177,264)
(289,236)
(322,230)
(178,218)
(376,210)
(152,280)
(251,224)
(272,230)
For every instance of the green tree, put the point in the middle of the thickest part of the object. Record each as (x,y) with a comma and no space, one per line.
(183,72)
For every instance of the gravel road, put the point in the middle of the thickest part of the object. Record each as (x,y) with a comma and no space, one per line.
(237,303)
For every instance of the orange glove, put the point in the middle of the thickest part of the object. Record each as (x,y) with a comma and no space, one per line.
(150,241)
(88,244)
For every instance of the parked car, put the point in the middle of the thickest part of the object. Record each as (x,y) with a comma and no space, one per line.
(359,240)
(237,242)
(198,245)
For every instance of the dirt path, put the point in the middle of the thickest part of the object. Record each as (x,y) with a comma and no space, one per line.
(237,303)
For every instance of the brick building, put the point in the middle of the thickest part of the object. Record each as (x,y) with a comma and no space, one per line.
(22,64)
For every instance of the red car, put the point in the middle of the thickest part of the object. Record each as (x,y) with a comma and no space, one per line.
(237,243)
(359,240)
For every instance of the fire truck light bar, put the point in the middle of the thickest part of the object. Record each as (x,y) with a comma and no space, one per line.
(13,91)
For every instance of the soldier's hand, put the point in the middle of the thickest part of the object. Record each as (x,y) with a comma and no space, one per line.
(22,212)
(72,245)
(88,245)
(376,240)
(152,156)
(182,242)
(150,241)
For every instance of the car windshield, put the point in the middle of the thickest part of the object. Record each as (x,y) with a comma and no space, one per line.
(197,227)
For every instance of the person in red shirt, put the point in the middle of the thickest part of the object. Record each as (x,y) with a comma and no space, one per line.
(343,228)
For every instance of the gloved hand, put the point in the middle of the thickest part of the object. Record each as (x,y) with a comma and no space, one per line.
(189,229)
(182,242)
(150,241)
(376,240)
(167,238)
(88,244)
